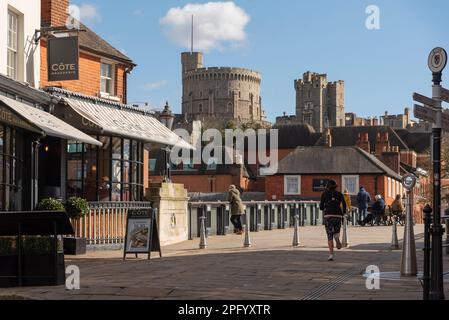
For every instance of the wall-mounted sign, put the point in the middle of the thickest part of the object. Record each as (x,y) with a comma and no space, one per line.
(63,59)
(142,234)
(319,185)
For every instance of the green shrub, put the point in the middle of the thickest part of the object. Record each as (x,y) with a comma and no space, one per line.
(37,245)
(76,207)
(50,204)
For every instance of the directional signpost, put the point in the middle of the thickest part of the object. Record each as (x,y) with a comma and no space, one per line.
(432,111)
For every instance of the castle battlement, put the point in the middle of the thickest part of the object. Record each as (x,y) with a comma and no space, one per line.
(223,73)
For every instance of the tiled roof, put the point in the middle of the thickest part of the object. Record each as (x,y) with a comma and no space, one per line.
(91,41)
(335,160)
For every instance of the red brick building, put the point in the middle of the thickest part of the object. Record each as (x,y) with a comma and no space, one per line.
(303,174)
(103,69)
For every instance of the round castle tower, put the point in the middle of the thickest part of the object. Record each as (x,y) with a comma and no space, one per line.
(219,93)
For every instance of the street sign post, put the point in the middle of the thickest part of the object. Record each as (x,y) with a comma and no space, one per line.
(432,111)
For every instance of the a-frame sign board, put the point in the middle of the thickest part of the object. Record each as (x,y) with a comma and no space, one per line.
(142,234)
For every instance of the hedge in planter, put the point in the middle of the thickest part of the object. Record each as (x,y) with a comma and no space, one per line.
(76,208)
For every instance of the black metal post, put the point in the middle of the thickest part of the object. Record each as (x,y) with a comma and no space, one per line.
(427,249)
(436,283)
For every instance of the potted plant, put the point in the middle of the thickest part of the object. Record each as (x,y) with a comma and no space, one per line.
(76,208)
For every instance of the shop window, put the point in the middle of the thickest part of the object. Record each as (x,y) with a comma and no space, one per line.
(107,79)
(112,172)
(11,164)
(12,46)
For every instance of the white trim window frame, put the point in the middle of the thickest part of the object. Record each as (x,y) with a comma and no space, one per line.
(351,183)
(292,185)
(13,45)
(107,82)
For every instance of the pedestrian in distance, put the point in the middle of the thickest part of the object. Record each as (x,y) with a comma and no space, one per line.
(237,209)
(334,207)
(347,197)
(397,210)
(377,212)
(363,200)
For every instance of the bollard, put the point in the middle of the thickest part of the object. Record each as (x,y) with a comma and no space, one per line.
(203,242)
(344,240)
(394,237)
(247,242)
(427,249)
(295,235)
(408,260)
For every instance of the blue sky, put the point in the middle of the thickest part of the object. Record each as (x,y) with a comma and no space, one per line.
(282,40)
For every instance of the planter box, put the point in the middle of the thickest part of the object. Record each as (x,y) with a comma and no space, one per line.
(75,246)
(37,270)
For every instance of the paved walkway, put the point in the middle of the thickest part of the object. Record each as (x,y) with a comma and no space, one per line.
(270,269)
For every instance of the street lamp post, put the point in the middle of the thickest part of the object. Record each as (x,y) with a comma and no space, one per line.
(167,118)
(437,63)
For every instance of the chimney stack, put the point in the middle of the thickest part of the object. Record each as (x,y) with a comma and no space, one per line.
(363,142)
(54,13)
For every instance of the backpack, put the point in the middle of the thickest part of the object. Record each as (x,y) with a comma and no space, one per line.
(332,203)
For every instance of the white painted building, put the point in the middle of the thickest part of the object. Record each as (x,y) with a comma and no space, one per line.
(19,53)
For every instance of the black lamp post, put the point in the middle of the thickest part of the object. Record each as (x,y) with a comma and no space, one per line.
(167,118)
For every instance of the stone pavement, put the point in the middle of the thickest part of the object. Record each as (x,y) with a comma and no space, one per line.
(270,269)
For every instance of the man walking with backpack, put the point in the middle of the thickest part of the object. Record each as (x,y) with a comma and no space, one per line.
(334,207)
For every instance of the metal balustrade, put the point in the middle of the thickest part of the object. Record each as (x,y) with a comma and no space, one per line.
(105,222)
(264,215)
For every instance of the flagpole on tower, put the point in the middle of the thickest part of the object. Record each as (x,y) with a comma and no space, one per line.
(191,47)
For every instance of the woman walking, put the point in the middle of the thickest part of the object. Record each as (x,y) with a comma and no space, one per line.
(237,209)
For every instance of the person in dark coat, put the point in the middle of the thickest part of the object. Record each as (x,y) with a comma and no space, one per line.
(237,209)
(333,205)
(377,210)
(363,200)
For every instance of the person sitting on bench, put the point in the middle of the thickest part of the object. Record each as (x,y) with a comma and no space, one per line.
(377,211)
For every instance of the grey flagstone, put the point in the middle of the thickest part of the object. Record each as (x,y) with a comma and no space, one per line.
(126,122)
(47,123)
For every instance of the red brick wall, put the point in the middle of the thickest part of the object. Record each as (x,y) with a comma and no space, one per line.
(274,186)
(54,12)
(89,75)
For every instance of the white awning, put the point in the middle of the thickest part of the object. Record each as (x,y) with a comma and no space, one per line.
(124,122)
(19,114)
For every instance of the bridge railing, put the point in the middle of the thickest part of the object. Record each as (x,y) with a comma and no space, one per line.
(263,215)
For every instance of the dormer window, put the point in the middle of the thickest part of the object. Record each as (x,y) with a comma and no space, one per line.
(107,79)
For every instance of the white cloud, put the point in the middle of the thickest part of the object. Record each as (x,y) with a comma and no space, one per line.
(156,85)
(217,25)
(89,13)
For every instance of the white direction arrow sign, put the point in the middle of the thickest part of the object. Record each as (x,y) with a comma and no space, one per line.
(425,100)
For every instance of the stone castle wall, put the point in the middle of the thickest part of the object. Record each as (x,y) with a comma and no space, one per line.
(221,93)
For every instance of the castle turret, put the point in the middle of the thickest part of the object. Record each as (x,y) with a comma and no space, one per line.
(191,61)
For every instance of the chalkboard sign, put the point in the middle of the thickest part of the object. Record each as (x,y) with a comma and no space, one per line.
(142,236)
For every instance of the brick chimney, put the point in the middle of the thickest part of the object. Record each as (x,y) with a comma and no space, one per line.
(54,12)
(363,142)
(382,143)
(391,157)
